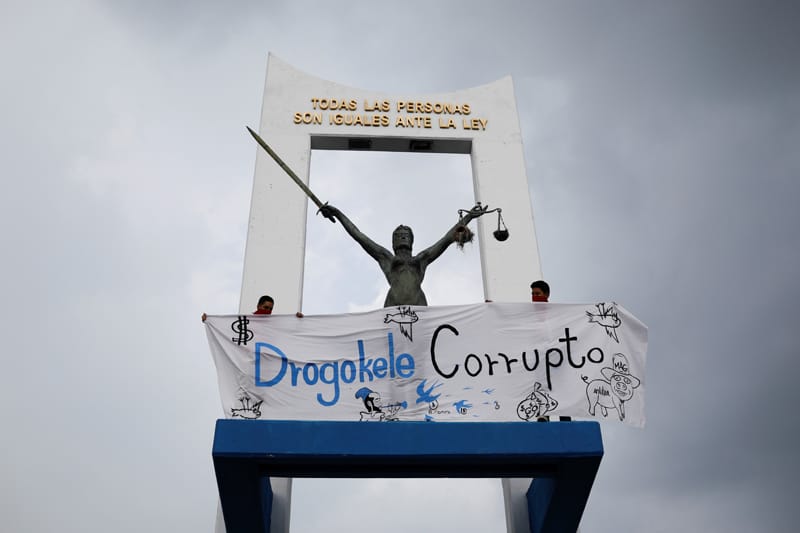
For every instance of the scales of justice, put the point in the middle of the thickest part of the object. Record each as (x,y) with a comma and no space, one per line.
(547,480)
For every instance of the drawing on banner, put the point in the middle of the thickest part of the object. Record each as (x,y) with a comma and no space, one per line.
(239,326)
(404,318)
(537,403)
(426,395)
(433,409)
(462,407)
(392,409)
(375,411)
(607,317)
(250,411)
(615,390)
(492,403)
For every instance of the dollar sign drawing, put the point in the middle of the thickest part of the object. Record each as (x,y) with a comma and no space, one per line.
(240,328)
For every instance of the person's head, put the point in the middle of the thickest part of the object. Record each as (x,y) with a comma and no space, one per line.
(265,305)
(540,291)
(402,237)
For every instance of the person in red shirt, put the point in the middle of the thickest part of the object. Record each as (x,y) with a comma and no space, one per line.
(265,305)
(540,292)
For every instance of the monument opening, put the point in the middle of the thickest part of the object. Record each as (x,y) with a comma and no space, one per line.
(398,505)
(379,191)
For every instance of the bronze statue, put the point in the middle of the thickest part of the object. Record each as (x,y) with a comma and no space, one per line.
(404,271)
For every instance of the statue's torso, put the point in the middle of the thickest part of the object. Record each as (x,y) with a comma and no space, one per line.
(405,282)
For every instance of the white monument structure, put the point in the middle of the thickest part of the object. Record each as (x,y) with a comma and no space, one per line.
(301,112)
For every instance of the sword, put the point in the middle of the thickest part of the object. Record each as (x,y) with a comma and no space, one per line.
(289,171)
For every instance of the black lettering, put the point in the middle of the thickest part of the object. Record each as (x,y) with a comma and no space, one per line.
(433,350)
(491,364)
(525,361)
(566,339)
(548,364)
(509,361)
(589,355)
(466,364)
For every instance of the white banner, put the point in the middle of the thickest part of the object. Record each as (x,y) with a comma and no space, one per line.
(481,362)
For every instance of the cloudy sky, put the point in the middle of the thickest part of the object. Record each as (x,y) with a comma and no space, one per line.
(662,143)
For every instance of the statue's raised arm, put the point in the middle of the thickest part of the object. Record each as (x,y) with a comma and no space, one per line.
(375,250)
(403,271)
(433,252)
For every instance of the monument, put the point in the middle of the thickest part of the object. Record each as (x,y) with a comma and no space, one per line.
(255,460)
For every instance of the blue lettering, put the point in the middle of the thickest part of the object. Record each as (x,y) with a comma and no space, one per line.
(380,367)
(348,365)
(363,367)
(391,354)
(333,380)
(312,378)
(295,372)
(279,376)
(405,365)
(332,372)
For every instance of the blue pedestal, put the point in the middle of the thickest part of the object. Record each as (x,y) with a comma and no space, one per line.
(563,457)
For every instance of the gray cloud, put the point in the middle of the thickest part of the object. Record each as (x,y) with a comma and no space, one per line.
(661,143)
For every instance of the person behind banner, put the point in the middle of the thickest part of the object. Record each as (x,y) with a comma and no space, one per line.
(540,292)
(264,307)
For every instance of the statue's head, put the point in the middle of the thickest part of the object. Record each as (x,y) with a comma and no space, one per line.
(402,237)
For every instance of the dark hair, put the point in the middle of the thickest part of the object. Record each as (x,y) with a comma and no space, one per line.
(265,298)
(541,284)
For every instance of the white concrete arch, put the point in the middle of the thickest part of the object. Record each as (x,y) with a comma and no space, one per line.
(301,112)
(278,208)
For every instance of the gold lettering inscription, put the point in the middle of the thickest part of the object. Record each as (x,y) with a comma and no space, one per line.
(412,122)
(340,119)
(332,104)
(380,113)
(475,123)
(378,105)
(438,108)
(308,118)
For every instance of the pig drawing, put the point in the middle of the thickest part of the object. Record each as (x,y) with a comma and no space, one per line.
(615,390)
(536,404)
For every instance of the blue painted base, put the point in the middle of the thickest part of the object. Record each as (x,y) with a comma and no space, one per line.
(563,457)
